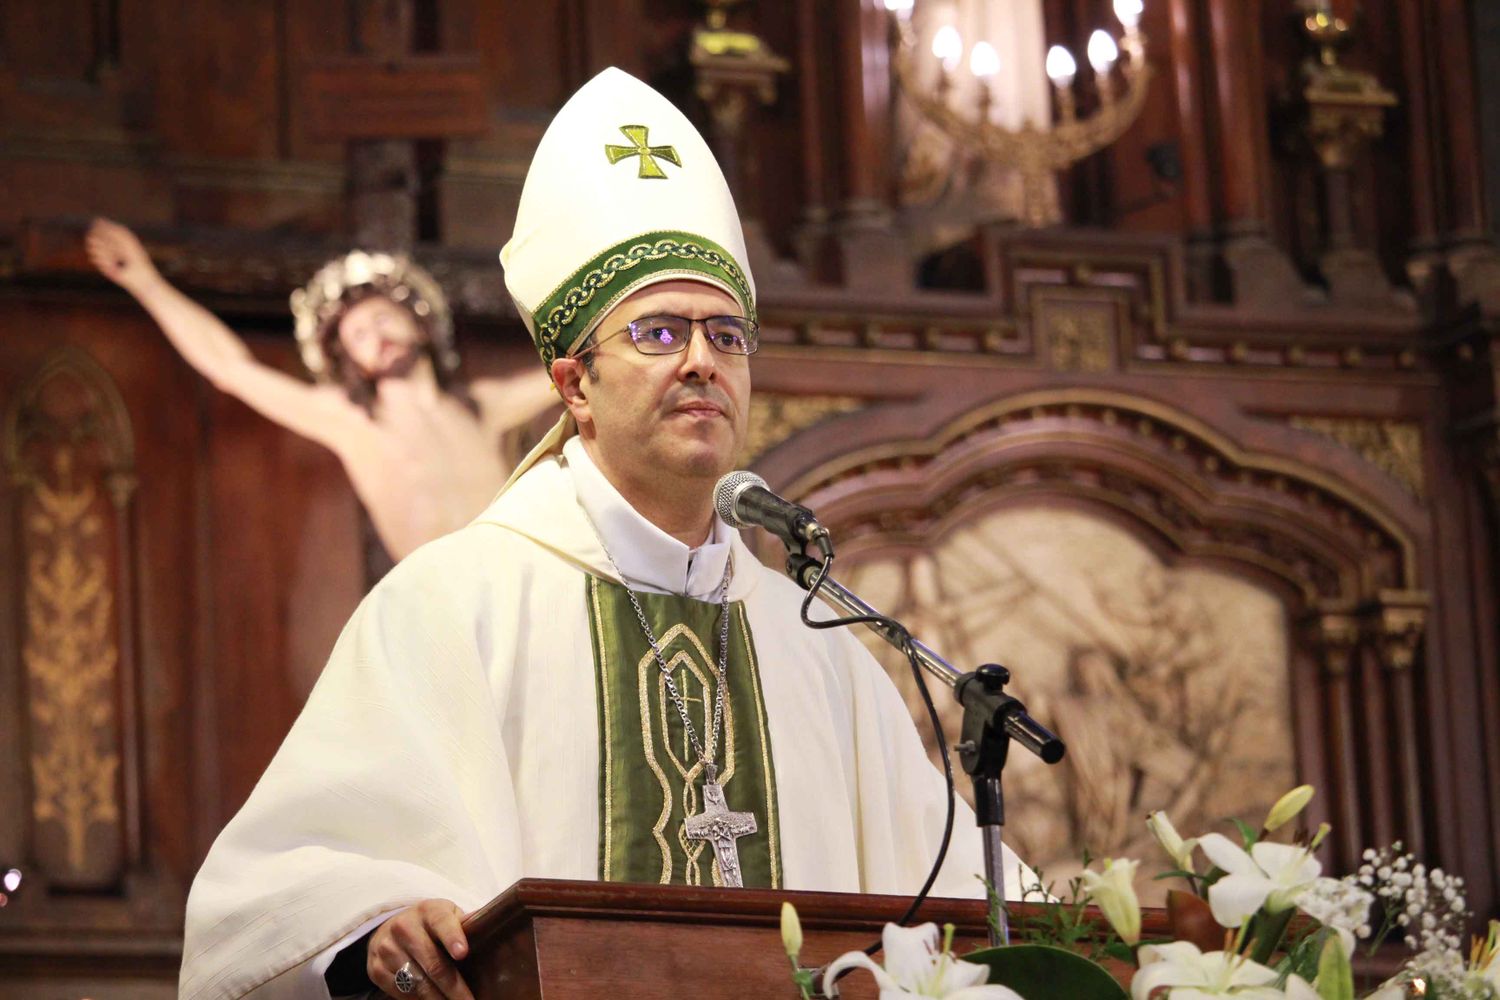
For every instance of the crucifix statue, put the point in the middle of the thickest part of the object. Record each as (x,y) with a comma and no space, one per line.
(425,451)
(722,829)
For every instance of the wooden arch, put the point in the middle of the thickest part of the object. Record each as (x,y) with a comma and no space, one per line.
(1347,568)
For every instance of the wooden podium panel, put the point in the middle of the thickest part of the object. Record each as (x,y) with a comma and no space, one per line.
(563,940)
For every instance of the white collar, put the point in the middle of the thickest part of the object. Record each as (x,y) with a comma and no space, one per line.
(650,559)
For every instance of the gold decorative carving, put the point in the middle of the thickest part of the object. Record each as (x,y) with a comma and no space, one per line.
(1080,342)
(1077,327)
(1396,621)
(1392,446)
(1335,635)
(71,658)
(68,454)
(774,418)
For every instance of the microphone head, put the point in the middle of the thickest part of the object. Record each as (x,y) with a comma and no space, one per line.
(728,490)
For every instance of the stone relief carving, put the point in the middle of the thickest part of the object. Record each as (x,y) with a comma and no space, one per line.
(1170,685)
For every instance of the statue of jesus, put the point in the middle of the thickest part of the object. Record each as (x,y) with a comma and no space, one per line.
(423,453)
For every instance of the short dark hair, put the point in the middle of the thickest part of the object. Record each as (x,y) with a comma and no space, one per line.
(585,353)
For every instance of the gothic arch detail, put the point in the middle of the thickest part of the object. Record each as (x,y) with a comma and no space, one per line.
(1346,570)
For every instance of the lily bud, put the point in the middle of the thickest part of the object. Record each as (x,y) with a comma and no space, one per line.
(1113,891)
(791,932)
(1179,850)
(1287,807)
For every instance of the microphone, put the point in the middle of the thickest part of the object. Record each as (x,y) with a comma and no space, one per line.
(743,500)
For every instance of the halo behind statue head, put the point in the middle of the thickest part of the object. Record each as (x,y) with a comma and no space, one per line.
(341,283)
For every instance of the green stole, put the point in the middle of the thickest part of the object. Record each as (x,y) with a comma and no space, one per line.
(650,778)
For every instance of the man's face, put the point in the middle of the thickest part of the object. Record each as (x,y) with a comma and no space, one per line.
(382,338)
(679,415)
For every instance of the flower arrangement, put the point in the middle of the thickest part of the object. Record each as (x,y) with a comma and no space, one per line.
(1258,920)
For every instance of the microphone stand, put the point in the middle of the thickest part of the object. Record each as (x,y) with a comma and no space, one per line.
(992,719)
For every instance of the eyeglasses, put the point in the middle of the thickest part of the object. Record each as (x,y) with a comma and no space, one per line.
(734,335)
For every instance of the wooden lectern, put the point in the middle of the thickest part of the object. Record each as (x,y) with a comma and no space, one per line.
(547,939)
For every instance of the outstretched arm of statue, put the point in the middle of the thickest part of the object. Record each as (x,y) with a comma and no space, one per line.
(211,347)
(514,400)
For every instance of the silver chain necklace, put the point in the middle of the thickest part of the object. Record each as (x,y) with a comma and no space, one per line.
(705,754)
(716,823)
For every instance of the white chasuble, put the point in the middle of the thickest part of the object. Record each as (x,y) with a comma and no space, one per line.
(452,744)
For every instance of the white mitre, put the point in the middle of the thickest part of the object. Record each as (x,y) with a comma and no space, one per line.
(622,193)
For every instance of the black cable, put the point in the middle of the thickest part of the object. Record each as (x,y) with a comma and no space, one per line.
(905,645)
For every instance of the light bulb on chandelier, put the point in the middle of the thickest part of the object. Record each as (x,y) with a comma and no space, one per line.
(984,61)
(1037,148)
(1102,51)
(1102,55)
(948,47)
(1061,66)
(1128,11)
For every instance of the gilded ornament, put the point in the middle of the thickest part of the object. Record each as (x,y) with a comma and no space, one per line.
(1393,446)
(1080,341)
(774,418)
(70,658)
(67,447)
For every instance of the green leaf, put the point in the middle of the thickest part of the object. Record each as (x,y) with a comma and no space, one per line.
(1249,834)
(1037,971)
(1267,930)
(1335,976)
(1302,957)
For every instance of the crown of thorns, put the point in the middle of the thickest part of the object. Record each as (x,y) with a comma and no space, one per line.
(325,299)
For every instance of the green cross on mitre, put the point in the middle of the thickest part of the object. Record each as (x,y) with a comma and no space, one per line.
(642,147)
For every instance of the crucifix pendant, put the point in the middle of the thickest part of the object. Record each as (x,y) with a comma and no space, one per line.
(721,828)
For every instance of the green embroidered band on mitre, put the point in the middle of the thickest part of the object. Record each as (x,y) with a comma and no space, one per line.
(650,778)
(594,289)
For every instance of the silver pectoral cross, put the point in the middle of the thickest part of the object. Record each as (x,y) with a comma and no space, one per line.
(721,828)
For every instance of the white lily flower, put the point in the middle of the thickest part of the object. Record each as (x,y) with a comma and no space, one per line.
(917,966)
(1179,850)
(1189,974)
(1298,988)
(1113,891)
(1486,961)
(1270,875)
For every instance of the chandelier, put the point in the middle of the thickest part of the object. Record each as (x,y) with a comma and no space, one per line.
(1035,150)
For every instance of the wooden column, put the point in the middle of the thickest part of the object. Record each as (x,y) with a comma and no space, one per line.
(812,45)
(1453,41)
(1394,628)
(1335,636)
(1473,256)
(1192,135)
(1419,103)
(870,253)
(1260,272)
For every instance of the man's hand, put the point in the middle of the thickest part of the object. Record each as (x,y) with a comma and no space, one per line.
(118,255)
(430,937)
